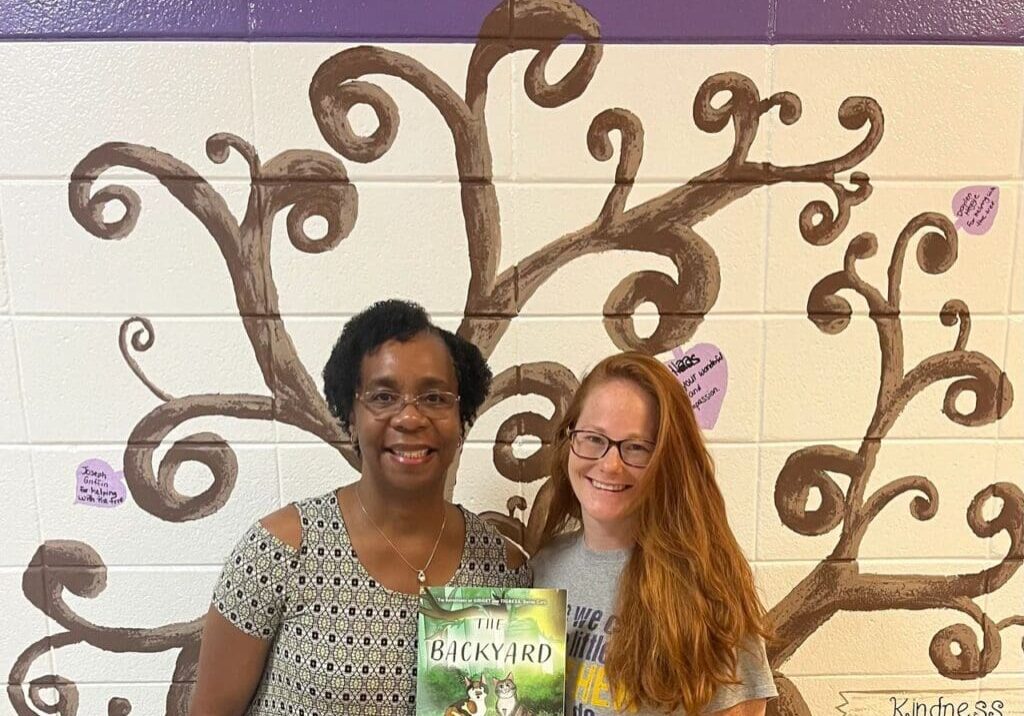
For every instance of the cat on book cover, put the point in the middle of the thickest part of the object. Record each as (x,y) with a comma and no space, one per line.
(473,704)
(507,703)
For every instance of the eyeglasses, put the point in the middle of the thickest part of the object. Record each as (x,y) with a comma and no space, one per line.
(431,404)
(593,446)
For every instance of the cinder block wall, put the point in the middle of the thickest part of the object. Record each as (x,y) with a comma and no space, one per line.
(782,182)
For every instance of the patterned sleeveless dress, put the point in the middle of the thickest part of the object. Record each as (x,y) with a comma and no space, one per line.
(340,642)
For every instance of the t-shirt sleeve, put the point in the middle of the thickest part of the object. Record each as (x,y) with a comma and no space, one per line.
(755,677)
(253,586)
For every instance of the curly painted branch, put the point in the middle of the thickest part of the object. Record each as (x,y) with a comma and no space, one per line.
(295,402)
(829,311)
(1014,621)
(743,109)
(819,225)
(67,691)
(552,381)
(540,25)
(808,469)
(652,227)
(968,662)
(76,567)
(837,585)
(181,180)
(335,89)
(313,184)
(333,92)
(976,373)
(923,507)
(156,493)
(219,146)
(831,314)
(631,150)
(669,218)
(681,302)
(854,113)
(936,252)
(954,311)
(142,340)
(556,383)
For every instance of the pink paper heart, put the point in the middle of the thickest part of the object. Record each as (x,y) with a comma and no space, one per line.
(975,208)
(99,485)
(704,373)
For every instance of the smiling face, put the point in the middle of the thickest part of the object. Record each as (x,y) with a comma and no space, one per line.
(607,488)
(407,451)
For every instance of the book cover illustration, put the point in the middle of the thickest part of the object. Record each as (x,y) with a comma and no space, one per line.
(491,652)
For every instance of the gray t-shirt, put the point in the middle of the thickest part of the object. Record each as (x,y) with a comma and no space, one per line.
(591,581)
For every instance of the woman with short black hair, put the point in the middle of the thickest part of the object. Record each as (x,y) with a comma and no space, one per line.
(399,321)
(315,611)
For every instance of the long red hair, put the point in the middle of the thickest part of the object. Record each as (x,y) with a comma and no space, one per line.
(687,600)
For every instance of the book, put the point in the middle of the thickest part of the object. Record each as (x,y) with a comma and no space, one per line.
(488,651)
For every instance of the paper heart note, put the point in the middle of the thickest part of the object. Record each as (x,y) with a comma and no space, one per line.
(99,485)
(704,373)
(975,208)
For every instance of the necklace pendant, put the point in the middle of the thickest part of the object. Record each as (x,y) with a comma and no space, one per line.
(421,576)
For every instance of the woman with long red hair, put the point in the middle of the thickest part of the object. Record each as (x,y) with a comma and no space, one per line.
(663,613)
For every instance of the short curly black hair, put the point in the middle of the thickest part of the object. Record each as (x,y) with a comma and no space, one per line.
(399,321)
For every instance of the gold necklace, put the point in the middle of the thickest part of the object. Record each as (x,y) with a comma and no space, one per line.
(421,574)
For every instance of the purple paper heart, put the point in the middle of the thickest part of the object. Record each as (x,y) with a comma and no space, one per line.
(975,208)
(99,485)
(704,373)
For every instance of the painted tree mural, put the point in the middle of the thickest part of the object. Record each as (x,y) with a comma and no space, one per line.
(315,184)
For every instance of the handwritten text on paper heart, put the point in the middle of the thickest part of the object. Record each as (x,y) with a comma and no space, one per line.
(99,485)
(704,373)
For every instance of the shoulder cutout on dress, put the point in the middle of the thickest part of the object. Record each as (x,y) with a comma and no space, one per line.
(285,525)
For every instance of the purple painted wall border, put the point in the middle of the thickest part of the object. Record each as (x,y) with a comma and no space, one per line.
(125,19)
(628,21)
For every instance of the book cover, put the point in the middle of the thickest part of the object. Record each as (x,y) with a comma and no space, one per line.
(485,651)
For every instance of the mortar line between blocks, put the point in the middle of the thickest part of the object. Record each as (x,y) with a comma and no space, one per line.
(761,483)
(22,406)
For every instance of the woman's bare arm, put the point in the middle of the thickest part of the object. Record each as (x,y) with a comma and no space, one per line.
(231,662)
(230,665)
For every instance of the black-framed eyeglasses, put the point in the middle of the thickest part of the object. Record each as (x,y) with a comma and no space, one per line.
(591,445)
(385,403)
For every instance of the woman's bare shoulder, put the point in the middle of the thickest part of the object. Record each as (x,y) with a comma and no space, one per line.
(285,524)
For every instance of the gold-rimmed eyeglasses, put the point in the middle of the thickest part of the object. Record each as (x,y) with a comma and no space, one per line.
(431,404)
